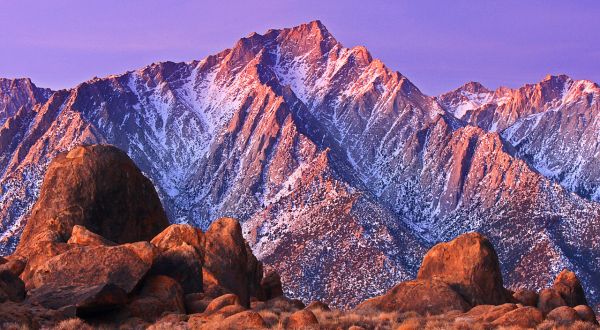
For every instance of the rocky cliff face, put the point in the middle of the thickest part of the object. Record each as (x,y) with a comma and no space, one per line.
(19,93)
(341,171)
(552,125)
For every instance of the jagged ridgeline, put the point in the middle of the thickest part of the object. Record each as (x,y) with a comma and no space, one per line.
(341,172)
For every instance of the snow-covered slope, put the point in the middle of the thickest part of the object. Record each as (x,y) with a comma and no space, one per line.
(553,125)
(341,170)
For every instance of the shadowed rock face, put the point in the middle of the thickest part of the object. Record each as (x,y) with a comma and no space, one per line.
(181,254)
(569,287)
(98,187)
(469,264)
(228,262)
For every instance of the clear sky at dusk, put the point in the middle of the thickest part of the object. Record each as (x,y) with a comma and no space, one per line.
(438,45)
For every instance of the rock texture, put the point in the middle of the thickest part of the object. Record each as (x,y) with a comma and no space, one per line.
(302,319)
(181,256)
(159,294)
(98,187)
(551,125)
(228,263)
(19,95)
(122,266)
(568,286)
(421,296)
(323,152)
(469,264)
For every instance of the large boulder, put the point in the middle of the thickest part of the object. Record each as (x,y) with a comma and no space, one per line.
(228,262)
(563,314)
(196,303)
(271,285)
(222,301)
(550,299)
(569,287)
(242,320)
(586,313)
(302,319)
(97,187)
(469,264)
(525,317)
(526,297)
(177,235)
(180,256)
(488,313)
(86,266)
(158,295)
(100,188)
(421,296)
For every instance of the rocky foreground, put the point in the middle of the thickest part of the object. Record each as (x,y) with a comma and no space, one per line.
(98,252)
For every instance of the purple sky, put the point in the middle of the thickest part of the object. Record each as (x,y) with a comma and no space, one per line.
(438,45)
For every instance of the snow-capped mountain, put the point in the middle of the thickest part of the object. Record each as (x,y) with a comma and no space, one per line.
(553,125)
(340,169)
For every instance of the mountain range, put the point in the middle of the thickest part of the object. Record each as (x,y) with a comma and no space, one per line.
(342,172)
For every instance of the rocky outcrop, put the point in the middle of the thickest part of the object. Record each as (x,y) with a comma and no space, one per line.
(86,300)
(461,279)
(271,285)
(227,261)
(302,319)
(110,280)
(569,287)
(243,320)
(181,270)
(98,187)
(83,237)
(524,317)
(122,265)
(11,286)
(469,264)
(421,296)
(586,313)
(563,314)
(526,297)
(158,294)
(550,299)
(181,256)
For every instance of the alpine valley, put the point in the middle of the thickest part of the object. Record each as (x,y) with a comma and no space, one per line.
(341,171)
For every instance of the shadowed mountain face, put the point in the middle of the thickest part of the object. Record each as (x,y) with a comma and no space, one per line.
(341,170)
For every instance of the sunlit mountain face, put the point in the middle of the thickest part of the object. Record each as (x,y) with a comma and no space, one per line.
(342,172)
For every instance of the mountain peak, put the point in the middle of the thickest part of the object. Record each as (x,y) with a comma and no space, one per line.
(560,77)
(312,32)
(474,87)
(314,26)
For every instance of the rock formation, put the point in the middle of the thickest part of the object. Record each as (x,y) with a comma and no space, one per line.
(139,274)
(421,296)
(100,188)
(468,264)
(461,279)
